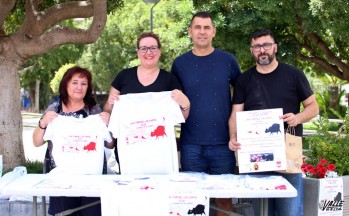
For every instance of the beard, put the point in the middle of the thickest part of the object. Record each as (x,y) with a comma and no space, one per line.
(264,58)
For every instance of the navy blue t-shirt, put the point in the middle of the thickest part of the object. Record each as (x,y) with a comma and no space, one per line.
(207,82)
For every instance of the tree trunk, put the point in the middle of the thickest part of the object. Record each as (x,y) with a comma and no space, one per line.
(10,119)
(39,33)
(333,95)
(31,96)
(37,94)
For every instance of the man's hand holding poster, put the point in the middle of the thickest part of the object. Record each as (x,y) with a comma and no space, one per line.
(262,139)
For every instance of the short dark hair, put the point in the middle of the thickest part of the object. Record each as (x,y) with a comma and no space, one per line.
(202,14)
(148,34)
(260,33)
(89,98)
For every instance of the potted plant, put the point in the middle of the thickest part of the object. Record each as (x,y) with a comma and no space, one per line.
(323,169)
(328,156)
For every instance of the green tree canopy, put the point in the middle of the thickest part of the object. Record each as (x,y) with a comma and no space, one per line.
(29,29)
(116,49)
(310,34)
(54,84)
(43,67)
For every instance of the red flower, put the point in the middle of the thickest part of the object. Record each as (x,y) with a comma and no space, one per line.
(310,168)
(323,161)
(331,167)
(320,170)
(321,175)
(320,166)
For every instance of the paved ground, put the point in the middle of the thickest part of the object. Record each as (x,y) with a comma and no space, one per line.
(32,153)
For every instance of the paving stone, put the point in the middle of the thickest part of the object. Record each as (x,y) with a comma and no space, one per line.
(19,208)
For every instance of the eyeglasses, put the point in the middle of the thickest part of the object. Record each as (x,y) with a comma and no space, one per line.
(145,49)
(266,46)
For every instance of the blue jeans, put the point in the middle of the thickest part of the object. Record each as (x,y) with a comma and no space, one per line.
(211,159)
(284,206)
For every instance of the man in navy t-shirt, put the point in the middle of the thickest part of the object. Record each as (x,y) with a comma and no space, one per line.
(207,75)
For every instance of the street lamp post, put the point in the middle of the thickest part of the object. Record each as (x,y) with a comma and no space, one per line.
(151,11)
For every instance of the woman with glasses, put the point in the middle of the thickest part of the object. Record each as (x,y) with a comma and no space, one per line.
(147,77)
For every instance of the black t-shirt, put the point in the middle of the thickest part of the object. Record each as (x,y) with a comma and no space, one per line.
(127,82)
(286,87)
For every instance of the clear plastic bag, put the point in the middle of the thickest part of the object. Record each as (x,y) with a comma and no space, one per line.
(10,177)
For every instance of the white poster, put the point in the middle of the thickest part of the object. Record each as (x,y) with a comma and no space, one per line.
(331,198)
(262,139)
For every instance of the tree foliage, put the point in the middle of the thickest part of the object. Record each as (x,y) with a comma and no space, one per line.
(54,84)
(116,49)
(332,147)
(29,29)
(311,34)
(43,68)
(330,96)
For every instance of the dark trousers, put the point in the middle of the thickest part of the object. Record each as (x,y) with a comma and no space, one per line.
(59,204)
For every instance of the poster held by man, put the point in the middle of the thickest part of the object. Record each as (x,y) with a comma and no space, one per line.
(261,134)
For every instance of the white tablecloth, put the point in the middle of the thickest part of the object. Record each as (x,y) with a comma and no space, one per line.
(149,193)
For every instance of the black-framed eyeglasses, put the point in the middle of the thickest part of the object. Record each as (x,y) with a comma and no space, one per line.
(266,46)
(144,49)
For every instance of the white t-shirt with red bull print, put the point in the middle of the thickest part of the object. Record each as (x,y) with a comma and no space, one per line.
(143,124)
(78,144)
